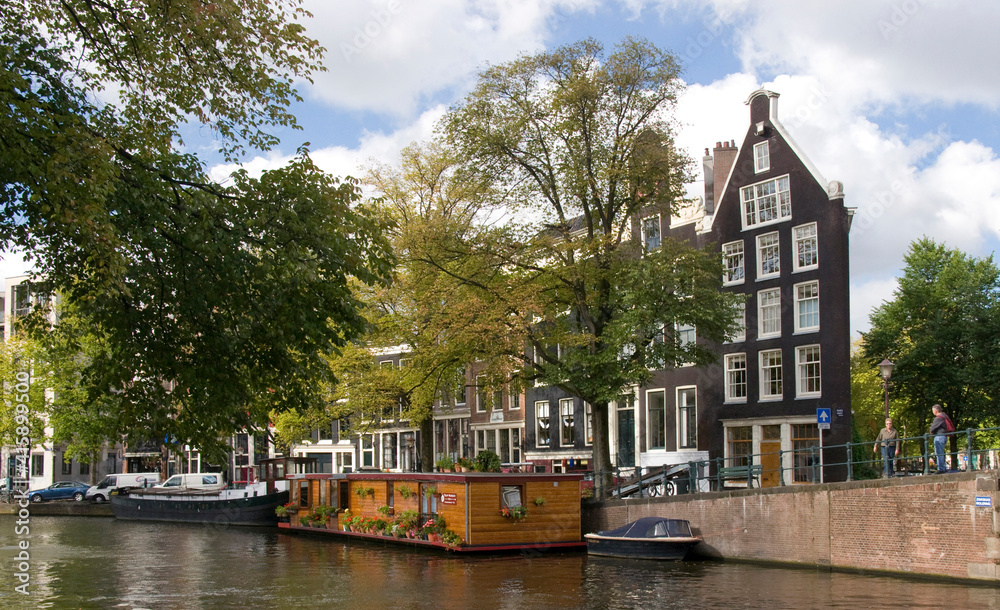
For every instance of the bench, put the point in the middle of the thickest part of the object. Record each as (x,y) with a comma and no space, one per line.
(746,473)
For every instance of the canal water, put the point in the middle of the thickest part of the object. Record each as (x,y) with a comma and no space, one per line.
(80,562)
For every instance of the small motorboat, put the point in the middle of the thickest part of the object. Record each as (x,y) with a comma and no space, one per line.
(647,538)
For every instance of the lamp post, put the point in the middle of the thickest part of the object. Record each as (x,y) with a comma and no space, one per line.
(885,367)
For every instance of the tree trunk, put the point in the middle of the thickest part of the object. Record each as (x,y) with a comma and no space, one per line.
(602,449)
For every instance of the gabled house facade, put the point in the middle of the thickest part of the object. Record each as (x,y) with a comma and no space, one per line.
(782,232)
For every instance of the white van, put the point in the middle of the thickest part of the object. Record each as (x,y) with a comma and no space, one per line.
(201,480)
(102,491)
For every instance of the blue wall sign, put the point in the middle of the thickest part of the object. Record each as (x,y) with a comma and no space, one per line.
(823,419)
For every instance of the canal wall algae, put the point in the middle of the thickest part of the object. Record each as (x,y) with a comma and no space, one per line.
(923,525)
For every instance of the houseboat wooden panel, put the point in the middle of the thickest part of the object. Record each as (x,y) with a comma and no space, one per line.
(469,503)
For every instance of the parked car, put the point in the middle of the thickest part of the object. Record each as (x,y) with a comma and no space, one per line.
(63,490)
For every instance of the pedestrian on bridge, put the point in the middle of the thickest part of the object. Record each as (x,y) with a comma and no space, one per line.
(888,441)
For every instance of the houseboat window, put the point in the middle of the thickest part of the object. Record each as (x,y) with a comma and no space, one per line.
(389,495)
(303,493)
(510,496)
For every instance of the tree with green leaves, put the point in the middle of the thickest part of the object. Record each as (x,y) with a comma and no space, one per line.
(942,331)
(214,304)
(554,286)
(25,377)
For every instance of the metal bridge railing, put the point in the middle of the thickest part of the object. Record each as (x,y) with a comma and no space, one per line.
(804,464)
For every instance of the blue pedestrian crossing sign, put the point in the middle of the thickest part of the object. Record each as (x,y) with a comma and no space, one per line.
(823,418)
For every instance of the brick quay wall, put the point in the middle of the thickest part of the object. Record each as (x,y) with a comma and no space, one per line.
(921,525)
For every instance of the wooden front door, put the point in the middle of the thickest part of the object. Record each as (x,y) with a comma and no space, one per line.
(770,460)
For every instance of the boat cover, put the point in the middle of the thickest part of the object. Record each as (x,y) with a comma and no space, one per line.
(652,527)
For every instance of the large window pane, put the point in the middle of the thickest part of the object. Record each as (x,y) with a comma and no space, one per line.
(656,408)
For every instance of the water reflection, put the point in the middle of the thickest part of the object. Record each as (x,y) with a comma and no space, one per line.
(98,563)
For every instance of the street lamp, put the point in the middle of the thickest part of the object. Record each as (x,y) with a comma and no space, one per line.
(885,367)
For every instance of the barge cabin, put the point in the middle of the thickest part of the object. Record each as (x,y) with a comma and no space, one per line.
(463,512)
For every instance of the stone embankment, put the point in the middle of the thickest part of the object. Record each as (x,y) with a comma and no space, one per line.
(938,525)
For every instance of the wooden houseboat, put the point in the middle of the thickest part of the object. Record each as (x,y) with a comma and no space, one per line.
(462,512)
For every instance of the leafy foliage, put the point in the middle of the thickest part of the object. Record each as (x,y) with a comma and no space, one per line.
(207,306)
(574,145)
(942,331)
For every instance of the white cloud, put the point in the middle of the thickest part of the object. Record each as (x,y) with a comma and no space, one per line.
(388,56)
(865,297)
(342,161)
(931,50)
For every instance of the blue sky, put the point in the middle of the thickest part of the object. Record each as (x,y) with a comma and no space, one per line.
(897,99)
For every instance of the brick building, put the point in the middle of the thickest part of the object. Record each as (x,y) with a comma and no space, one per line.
(782,231)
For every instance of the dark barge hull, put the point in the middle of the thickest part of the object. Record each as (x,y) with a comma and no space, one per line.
(253,510)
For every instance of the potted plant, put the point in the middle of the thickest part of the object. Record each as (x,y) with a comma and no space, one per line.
(429,491)
(487,461)
(429,530)
(445,464)
(363,492)
(516,514)
(285,511)
(464,464)
(539,501)
(405,491)
(345,520)
(406,522)
(385,511)
(451,538)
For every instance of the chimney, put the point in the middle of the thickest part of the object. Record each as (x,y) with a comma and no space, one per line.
(707,163)
(725,156)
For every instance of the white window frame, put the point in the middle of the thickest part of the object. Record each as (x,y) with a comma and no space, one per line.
(731,383)
(773,250)
(567,405)
(800,301)
(734,263)
(774,192)
(741,324)
(588,414)
(798,240)
(647,221)
(684,431)
(770,371)
(768,301)
(539,405)
(803,368)
(649,420)
(761,157)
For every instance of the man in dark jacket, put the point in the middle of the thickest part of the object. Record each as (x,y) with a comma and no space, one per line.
(938,428)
